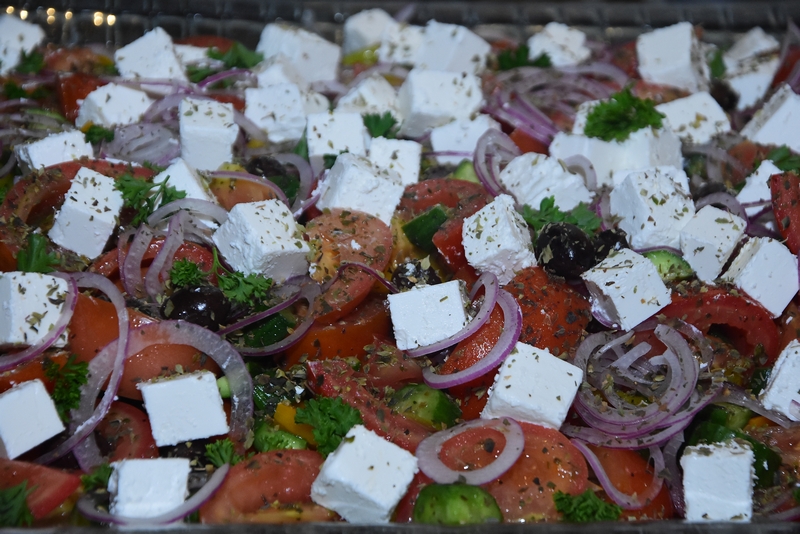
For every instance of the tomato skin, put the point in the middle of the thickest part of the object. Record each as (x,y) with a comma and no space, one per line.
(785,190)
(283,476)
(32,370)
(747,153)
(787,66)
(230,192)
(422,196)
(108,263)
(526,143)
(72,88)
(127,431)
(51,487)
(789,323)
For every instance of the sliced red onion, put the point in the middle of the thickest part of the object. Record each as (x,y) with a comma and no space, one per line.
(597,437)
(260,316)
(581,165)
(144,142)
(604,69)
(674,476)
(131,268)
(9,361)
(201,207)
(162,263)
(87,507)
(736,395)
(240,74)
(246,176)
(249,127)
(429,449)
(726,199)
(18,103)
(512,326)
(306,176)
(493,146)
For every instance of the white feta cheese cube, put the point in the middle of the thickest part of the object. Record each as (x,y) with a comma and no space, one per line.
(277,109)
(263,237)
(55,148)
(364,479)
(183,177)
(653,206)
(496,239)
(315,102)
(430,98)
(672,56)
(332,133)
(564,46)
(314,58)
(707,469)
(708,240)
(427,314)
(30,305)
(461,135)
(89,214)
(452,48)
(364,29)
(533,386)
(696,119)
(400,44)
(16,36)
(28,417)
(756,196)
(752,79)
(626,289)
(533,177)
(184,407)
(783,385)
(278,69)
(756,42)
(208,131)
(371,95)
(151,56)
(399,155)
(767,271)
(354,183)
(112,105)
(775,122)
(150,487)
(191,55)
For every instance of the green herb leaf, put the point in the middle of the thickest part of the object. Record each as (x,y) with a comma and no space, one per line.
(14,511)
(240,287)
(237,57)
(518,57)
(13,91)
(95,134)
(197,74)
(6,182)
(784,159)
(145,197)
(67,382)
(585,508)
(186,273)
(98,478)
(31,63)
(623,114)
(716,65)
(548,212)
(301,149)
(328,160)
(222,452)
(34,258)
(381,125)
(331,419)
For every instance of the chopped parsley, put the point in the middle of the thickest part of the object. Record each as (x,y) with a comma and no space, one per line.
(222,452)
(67,382)
(381,125)
(186,273)
(237,57)
(328,160)
(581,216)
(240,287)
(98,478)
(616,119)
(716,65)
(585,508)
(784,159)
(31,63)
(518,57)
(331,419)
(95,134)
(145,197)
(301,148)
(13,91)
(35,258)
(14,511)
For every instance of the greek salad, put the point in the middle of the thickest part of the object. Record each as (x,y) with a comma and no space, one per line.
(418,275)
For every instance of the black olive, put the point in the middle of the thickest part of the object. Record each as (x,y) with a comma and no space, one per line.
(204,305)
(724,95)
(265,166)
(609,241)
(411,273)
(564,249)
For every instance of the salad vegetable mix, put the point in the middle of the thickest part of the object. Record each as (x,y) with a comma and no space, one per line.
(416,276)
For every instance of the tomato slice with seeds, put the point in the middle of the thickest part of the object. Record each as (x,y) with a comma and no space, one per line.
(51,487)
(785,190)
(125,431)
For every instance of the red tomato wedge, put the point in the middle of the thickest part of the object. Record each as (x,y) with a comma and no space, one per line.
(51,487)
(785,190)
(127,433)
(72,89)
(32,370)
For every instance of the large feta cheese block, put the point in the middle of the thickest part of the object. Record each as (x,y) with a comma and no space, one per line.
(718,481)
(30,304)
(16,37)
(452,48)
(426,314)
(708,240)
(431,98)
(533,386)
(142,488)
(775,122)
(331,133)
(371,95)
(184,407)
(28,417)
(564,46)
(496,239)
(278,109)
(276,70)
(673,56)
(354,183)
(364,479)
(190,55)
(533,177)
(782,392)
(750,65)
(364,29)
(756,42)
(399,155)
(113,105)
(767,271)
(151,56)
(207,131)
(89,214)
(461,135)
(696,119)
(183,177)
(400,44)
(263,238)
(55,148)
(755,196)
(314,58)
(626,289)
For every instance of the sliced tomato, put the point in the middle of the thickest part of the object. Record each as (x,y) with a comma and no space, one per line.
(422,196)
(223,44)
(125,432)
(387,366)
(339,236)
(75,59)
(283,476)
(72,89)
(472,449)
(32,370)
(785,190)
(789,323)
(790,59)
(660,94)
(108,263)
(748,154)
(624,57)
(549,463)
(51,487)
(526,143)
(238,103)
(230,191)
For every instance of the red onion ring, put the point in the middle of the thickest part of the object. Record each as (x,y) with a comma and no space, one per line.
(18,102)
(306,176)
(242,75)
(256,317)
(727,200)
(162,263)
(512,327)
(674,475)
(607,70)
(502,145)
(429,448)
(738,396)
(376,274)
(131,266)
(87,507)
(250,128)
(201,207)
(247,177)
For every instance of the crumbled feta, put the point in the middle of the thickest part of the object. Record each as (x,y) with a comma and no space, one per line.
(28,417)
(783,386)
(427,314)
(112,105)
(314,58)
(672,56)
(30,305)
(400,44)
(364,479)
(496,239)
(16,36)
(533,177)
(148,487)
(776,122)
(696,119)
(709,239)
(184,407)
(55,148)
(278,109)
(564,46)
(332,133)
(364,29)
(151,56)
(452,48)
(399,155)
(371,95)
(207,131)
(461,135)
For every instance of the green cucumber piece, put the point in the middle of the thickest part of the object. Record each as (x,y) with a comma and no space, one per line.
(466,171)
(431,407)
(728,415)
(268,438)
(671,267)
(420,229)
(456,504)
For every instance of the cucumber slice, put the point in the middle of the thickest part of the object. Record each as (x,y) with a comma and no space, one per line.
(431,407)
(456,504)
(420,229)
(671,267)
(728,415)
(466,171)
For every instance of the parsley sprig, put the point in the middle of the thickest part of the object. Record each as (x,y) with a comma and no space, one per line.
(186,273)
(14,511)
(331,419)
(95,134)
(381,125)
(548,212)
(98,478)
(145,197)
(67,382)
(617,118)
(585,508)
(237,57)
(222,452)
(240,287)
(716,65)
(784,159)
(31,63)
(518,57)
(34,258)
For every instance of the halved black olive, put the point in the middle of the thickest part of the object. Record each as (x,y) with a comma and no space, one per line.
(203,305)
(564,249)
